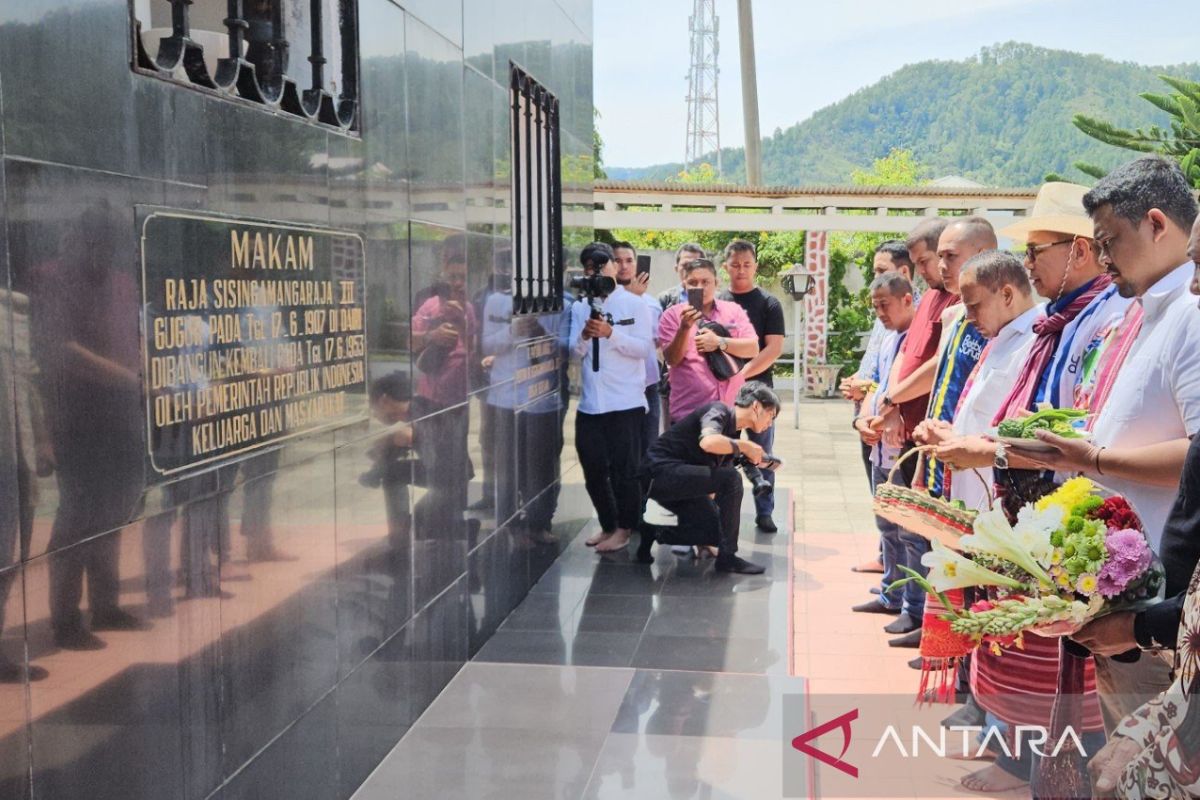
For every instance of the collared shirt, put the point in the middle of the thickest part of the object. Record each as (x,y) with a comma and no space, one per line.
(1156,395)
(652,359)
(1003,359)
(883,455)
(620,385)
(870,357)
(692,382)
(1080,338)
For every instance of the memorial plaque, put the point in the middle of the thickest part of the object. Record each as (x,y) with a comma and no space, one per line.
(254,333)
(537,372)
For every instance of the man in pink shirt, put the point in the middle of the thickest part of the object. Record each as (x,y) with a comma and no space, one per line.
(685,343)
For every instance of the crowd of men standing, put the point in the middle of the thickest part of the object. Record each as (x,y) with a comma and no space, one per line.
(1098,315)
(668,390)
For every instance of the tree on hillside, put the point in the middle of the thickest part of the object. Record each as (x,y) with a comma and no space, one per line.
(898,168)
(1180,142)
(702,173)
(597,148)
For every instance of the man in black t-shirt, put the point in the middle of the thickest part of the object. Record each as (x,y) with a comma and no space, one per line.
(692,471)
(766,315)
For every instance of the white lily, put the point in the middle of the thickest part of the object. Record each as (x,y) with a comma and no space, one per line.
(1033,530)
(994,536)
(949,570)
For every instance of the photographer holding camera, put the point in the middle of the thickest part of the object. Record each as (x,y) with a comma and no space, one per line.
(611,335)
(693,471)
(701,341)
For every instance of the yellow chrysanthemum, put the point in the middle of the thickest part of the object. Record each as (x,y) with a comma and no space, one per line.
(1086,584)
(1068,495)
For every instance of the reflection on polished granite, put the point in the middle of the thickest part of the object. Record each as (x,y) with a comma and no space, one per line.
(616,680)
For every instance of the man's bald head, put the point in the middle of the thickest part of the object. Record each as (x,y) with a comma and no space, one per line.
(963,238)
(975,231)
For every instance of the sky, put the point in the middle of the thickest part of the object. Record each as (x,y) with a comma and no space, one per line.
(810,55)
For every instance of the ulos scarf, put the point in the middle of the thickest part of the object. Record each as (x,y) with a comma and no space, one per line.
(1049,334)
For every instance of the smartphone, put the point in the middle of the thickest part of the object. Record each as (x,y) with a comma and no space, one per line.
(643,267)
(696,299)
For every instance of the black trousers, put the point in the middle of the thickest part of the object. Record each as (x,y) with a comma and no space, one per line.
(609,448)
(684,490)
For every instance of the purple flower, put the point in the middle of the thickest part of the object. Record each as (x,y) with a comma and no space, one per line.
(1128,557)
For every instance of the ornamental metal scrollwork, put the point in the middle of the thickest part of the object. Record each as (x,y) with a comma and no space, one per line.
(255,67)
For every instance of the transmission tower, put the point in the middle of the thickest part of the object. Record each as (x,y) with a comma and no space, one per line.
(703,126)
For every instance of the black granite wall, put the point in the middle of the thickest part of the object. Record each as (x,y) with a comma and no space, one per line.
(269,627)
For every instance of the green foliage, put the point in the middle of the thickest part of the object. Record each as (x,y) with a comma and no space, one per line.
(1180,142)
(703,173)
(598,172)
(1001,118)
(898,168)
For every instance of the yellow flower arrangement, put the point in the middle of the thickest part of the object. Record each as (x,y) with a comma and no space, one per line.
(1067,496)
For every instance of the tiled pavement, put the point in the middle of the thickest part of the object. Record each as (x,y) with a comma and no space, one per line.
(620,680)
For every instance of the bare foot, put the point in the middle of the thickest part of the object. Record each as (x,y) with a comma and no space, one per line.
(616,542)
(597,537)
(990,780)
(706,551)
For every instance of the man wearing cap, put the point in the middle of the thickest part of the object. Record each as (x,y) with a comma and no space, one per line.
(612,402)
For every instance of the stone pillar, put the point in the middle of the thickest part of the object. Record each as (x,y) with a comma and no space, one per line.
(816,303)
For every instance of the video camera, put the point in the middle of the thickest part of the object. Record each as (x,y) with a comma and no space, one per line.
(595,287)
(754,474)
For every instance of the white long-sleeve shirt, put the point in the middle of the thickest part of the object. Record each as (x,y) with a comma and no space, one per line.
(620,385)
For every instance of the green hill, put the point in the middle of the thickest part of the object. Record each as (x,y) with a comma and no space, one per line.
(1002,118)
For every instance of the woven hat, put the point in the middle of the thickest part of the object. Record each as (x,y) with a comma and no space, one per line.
(1058,208)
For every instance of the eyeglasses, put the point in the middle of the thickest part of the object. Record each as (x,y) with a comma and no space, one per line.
(1032,251)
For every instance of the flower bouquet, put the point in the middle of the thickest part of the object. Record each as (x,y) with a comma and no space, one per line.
(1072,556)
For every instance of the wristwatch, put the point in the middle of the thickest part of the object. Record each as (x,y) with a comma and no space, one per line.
(886,401)
(1001,461)
(722,343)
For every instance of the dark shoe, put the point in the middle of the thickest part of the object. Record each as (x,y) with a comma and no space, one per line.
(485,503)
(192,594)
(875,590)
(764,523)
(645,544)
(902,624)
(117,620)
(869,566)
(741,566)
(910,639)
(969,716)
(874,607)
(78,639)
(916,663)
(17,673)
(266,553)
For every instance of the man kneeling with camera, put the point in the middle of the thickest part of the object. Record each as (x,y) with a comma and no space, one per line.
(693,472)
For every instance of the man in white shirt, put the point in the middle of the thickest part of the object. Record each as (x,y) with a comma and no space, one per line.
(999,301)
(1142,213)
(612,403)
(625,256)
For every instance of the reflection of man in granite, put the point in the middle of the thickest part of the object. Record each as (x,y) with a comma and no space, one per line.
(23,449)
(441,328)
(85,314)
(532,424)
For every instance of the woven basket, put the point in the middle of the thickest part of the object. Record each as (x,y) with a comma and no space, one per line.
(920,512)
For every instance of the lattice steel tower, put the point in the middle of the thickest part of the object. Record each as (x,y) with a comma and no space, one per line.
(703,126)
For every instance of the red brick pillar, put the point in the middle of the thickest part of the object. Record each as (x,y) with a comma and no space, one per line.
(816,303)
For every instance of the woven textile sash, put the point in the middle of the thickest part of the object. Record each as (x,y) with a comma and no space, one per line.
(1049,334)
(1114,357)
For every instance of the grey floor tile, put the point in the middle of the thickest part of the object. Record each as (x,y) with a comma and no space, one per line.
(485,763)
(540,647)
(712,654)
(525,697)
(655,767)
(744,615)
(706,704)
